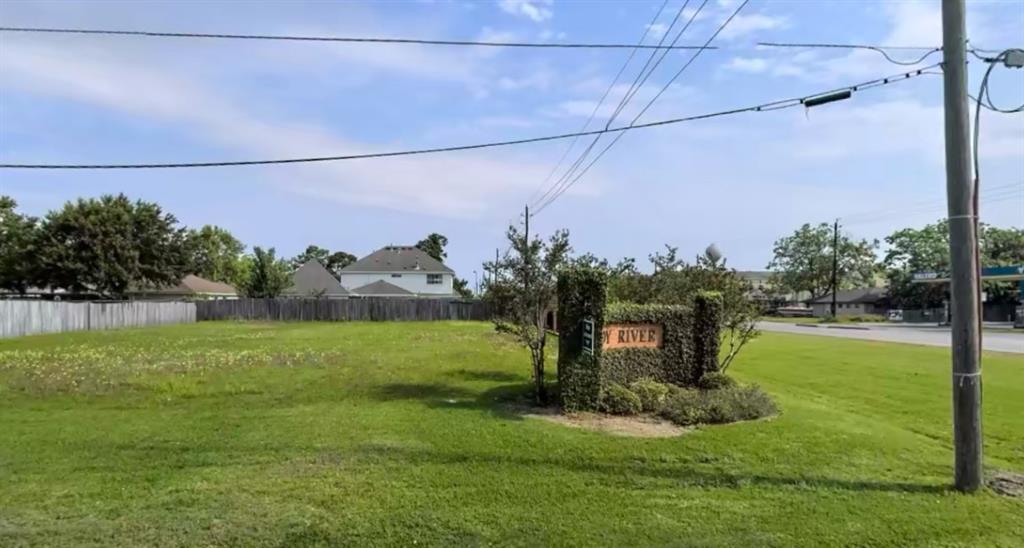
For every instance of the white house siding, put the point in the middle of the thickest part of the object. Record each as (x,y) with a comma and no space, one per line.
(415,282)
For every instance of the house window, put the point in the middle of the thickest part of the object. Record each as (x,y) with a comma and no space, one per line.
(396,275)
(434,279)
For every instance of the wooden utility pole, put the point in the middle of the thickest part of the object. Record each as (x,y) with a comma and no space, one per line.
(835,266)
(963,243)
(526,249)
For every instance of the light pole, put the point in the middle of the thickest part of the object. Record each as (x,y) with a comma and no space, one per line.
(476,282)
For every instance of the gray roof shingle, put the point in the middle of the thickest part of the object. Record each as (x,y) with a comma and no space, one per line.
(381,288)
(312,279)
(398,258)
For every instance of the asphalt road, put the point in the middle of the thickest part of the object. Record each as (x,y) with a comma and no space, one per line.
(993,339)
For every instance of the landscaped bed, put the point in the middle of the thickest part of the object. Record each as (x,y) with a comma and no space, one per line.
(403,433)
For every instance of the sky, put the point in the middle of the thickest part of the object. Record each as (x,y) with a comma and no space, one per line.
(740,181)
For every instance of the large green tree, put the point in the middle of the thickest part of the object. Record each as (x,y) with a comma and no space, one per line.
(926,249)
(268,276)
(217,255)
(18,235)
(803,261)
(333,262)
(111,244)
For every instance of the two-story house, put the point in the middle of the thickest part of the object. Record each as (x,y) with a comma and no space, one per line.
(398,271)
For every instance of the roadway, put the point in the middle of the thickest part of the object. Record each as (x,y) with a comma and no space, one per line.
(995,339)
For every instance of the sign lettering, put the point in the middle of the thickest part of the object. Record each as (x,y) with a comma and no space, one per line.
(632,336)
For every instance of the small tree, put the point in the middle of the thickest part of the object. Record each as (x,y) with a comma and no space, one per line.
(268,276)
(529,283)
(217,255)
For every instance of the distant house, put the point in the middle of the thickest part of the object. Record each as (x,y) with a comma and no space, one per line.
(313,280)
(406,268)
(760,282)
(190,288)
(851,302)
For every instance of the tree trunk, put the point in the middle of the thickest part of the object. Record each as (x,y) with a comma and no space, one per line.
(538,376)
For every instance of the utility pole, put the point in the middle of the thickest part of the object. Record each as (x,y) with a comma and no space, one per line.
(963,242)
(835,267)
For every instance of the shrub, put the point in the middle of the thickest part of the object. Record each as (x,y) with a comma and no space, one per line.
(651,393)
(619,400)
(716,381)
(735,403)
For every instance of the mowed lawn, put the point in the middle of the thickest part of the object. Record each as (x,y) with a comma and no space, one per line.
(295,434)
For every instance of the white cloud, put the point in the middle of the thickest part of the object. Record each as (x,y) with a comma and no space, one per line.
(458,185)
(752,65)
(657,30)
(537,11)
(743,25)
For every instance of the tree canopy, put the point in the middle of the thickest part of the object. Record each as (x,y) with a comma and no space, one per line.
(803,261)
(18,234)
(268,276)
(217,255)
(333,262)
(110,244)
(434,245)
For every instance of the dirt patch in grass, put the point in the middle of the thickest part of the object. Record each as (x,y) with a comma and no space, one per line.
(637,426)
(1008,484)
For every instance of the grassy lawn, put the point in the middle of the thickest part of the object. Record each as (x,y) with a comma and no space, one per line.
(398,434)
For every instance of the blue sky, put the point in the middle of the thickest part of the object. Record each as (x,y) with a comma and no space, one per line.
(739,181)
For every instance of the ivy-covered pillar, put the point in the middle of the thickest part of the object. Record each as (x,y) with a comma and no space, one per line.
(581,306)
(707,324)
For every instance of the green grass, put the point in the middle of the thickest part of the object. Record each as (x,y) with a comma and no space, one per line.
(398,434)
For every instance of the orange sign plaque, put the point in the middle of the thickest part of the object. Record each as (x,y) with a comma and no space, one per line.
(631,336)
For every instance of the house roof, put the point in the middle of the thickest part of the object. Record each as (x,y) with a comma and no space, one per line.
(398,258)
(313,279)
(381,288)
(852,296)
(190,285)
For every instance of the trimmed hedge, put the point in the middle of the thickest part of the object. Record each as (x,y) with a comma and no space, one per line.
(651,393)
(619,400)
(716,380)
(689,346)
(688,407)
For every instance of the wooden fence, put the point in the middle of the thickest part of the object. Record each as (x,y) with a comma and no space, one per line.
(28,317)
(365,309)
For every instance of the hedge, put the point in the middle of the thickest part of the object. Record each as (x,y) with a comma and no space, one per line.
(689,345)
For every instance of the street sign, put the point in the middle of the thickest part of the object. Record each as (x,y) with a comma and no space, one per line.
(588,336)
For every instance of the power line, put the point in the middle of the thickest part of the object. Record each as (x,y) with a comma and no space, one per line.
(345,39)
(878,49)
(782,103)
(597,107)
(638,81)
(664,88)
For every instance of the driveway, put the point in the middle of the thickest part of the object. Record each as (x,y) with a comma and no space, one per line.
(992,339)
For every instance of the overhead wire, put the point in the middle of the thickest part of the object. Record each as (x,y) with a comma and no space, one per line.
(600,102)
(639,80)
(879,49)
(790,102)
(343,39)
(569,184)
